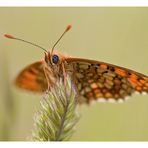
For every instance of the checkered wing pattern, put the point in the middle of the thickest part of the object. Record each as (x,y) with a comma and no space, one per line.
(100,81)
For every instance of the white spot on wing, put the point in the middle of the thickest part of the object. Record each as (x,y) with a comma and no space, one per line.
(120,100)
(111,100)
(144,93)
(102,100)
(137,93)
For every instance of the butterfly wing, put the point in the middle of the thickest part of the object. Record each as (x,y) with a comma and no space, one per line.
(32,78)
(95,80)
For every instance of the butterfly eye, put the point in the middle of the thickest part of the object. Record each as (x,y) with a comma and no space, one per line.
(55,59)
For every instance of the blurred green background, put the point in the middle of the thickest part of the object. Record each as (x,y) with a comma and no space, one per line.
(115,35)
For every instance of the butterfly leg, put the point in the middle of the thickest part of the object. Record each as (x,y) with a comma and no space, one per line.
(64,74)
(48,88)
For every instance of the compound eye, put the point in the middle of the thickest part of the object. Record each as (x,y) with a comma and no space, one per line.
(55,59)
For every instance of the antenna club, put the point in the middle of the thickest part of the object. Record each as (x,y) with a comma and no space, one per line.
(68,28)
(9,36)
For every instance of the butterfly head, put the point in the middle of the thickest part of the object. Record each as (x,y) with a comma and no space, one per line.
(53,59)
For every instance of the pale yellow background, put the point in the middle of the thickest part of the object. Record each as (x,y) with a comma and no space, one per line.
(115,35)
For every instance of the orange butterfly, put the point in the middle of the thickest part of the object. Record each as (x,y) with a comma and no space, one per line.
(94,80)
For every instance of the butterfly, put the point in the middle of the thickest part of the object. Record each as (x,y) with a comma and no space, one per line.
(93,80)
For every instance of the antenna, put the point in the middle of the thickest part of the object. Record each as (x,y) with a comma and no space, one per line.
(12,37)
(66,30)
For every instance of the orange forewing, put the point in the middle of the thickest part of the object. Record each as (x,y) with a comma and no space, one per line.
(32,78)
